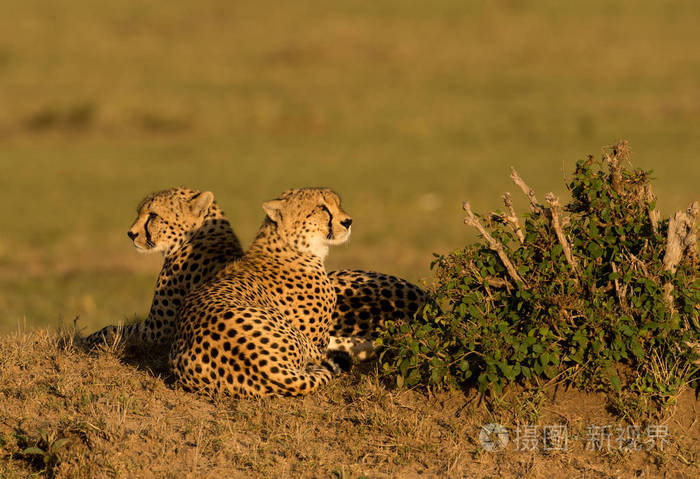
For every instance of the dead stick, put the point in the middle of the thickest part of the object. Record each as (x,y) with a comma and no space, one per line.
(620,152)
(556,224)
(496,282)
(513,218)
(621,292)
(472,220)
(691,239)
(534,204)
(615,171)
(653,213)
(681,237)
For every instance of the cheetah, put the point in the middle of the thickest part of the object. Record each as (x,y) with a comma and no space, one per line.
(260,327)
(196,240)
(188,227)
(366,300)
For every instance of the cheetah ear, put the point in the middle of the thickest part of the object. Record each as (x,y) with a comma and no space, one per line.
(201,202)
(273,209)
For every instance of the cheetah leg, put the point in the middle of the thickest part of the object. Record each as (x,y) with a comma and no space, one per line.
(367,299)
(358,348)
(275,380)
(294,382)
(144,333)
(246,351)
(111,336)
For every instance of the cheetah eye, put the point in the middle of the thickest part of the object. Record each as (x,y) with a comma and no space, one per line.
(152,216)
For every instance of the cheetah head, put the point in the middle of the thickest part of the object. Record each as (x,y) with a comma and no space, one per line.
(167,219)
(309,220)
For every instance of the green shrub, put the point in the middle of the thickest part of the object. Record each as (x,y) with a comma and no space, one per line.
(597,320)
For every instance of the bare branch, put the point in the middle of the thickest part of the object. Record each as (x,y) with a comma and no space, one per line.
(681,237)
(534,204)
(615,173)
(614,155)
(556,224)
(654,215)
(668,296)
(472,220)
(621,292)
(512,218)
(496,282)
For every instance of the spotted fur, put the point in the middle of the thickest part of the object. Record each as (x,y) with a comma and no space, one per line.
(196,239)
(365,300)
(260,327)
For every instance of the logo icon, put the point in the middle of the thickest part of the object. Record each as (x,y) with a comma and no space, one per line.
(493,437)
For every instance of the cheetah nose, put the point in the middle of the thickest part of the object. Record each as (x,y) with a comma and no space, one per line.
(346,222)
(131,235)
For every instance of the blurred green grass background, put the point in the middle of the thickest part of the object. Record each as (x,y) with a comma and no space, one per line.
(405,108)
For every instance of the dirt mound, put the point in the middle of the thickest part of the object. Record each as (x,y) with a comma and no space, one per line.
(69,414)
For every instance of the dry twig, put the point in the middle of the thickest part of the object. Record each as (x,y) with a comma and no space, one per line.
(614,154)
(654,215)
(621,292)
(496,282)
(534,204)
(556,224)
(472,220)
(512,218)
(681,237)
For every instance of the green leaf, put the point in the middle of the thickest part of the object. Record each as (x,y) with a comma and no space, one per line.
(593,230)
(615,381)
(399,380)
(437,375)
(59,443)
(550,371)
(506,370)
(636,348)
(413,378)
(537,367)
(483,382)
(626,330)
(34,451)
(474,312)
(403,367)
(595,250)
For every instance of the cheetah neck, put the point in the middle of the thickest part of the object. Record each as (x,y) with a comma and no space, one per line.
(202,254)
(210,247)
(214,230)
(270,248)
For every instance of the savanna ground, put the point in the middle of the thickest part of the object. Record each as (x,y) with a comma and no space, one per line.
(117,415)
(405,108)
